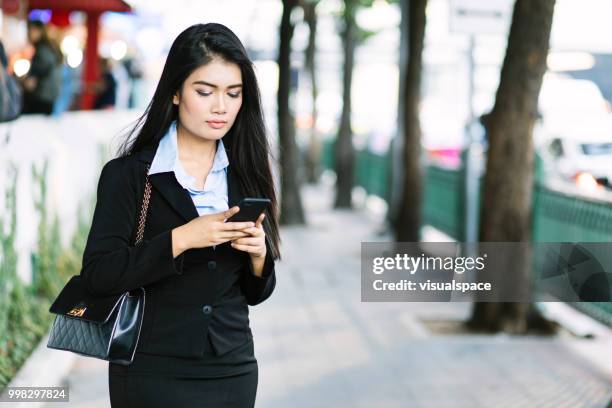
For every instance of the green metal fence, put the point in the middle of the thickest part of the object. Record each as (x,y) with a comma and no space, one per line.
(559,214)
(371,169)
(562,215)
(443,203)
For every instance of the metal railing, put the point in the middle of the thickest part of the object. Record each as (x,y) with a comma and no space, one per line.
(560,212)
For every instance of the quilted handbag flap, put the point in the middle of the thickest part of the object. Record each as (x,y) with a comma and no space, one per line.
(74,300)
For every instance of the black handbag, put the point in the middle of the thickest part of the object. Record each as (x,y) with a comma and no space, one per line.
(104,327)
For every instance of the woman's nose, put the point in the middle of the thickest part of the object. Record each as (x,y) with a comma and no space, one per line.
(220,104)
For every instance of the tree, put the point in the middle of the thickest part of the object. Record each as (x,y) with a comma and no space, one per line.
(409,219)
(506,213)
(344,154)
(291,201)
(314,147)
(394,181)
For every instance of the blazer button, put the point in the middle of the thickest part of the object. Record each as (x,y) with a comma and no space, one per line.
(207,309)
(212,265)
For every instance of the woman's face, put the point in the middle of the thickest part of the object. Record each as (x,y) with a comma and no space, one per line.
(209,99)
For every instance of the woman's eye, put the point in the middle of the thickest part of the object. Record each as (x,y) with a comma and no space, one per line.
(204,93)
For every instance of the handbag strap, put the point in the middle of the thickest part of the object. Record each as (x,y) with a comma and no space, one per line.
(144,208)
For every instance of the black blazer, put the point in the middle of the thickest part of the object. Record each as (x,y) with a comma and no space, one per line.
(203,291)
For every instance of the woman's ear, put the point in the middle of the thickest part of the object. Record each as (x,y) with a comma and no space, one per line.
(175,98)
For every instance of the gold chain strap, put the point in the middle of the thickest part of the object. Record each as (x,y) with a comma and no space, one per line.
(144,209)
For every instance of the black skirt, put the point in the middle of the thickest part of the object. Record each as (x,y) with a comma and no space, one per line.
(163,381)
(150,391)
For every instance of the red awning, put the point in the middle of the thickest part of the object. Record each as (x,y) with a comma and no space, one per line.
(80,5)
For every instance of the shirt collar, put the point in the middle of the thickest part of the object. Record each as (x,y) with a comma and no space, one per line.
(166,158)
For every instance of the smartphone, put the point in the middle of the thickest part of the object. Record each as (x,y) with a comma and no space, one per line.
(250,209)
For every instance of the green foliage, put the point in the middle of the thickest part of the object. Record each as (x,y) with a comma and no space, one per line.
(22,317)
(46,281)
(350,7)
(69,261)
(8,268)
(24,309)
(348,16)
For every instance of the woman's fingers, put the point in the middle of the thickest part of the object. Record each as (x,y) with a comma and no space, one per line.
(228,213)
(232,234)
(230,226)
(247,248)
(260,220)
(254,231)
(248,241)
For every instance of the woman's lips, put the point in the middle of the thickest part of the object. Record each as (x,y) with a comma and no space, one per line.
(216,124)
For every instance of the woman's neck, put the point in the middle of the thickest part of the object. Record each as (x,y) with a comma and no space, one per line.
(193,148)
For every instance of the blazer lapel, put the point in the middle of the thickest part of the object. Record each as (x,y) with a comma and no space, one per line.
(179,198)
(175,194)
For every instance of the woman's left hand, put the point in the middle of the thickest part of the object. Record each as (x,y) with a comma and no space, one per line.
(255,245)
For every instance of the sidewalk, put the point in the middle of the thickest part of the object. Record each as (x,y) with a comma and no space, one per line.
(318,345)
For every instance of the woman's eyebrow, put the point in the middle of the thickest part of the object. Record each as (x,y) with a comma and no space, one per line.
(213,85)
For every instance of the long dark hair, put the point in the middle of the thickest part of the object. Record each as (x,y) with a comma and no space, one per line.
(246,142)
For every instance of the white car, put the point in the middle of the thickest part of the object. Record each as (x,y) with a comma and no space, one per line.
(581,153)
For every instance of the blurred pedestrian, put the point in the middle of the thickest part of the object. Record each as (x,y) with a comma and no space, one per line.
(69,87)
(134,69)
(10,91)
(42,82)
(105,88)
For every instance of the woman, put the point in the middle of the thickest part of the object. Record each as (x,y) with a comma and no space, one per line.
(203,141)
(42,83)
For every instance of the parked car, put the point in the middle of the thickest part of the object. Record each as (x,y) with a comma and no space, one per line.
(581,153)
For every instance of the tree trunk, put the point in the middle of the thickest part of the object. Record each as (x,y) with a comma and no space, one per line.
(409,217)
(344,153)
(313,168)
(291,202)
(506,213)
(395,178)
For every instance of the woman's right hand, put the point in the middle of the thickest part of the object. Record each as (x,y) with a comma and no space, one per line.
(208,230)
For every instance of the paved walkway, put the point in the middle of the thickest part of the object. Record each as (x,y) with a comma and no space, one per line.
(318,345)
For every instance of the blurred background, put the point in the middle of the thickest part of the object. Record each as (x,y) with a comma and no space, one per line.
(406,120)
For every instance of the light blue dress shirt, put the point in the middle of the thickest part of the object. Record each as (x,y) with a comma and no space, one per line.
(214,197)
